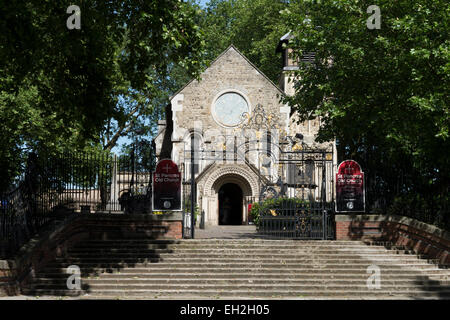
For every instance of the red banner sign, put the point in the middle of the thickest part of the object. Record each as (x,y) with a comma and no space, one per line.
(350,187)
(166,186)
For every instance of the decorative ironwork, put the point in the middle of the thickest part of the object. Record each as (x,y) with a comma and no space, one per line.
(302,206)
(286,219)
(302,224)
(268,192)
(260,120)
(295,179)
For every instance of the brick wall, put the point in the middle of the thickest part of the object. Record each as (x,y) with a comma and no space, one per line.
(54,242)
(421,237)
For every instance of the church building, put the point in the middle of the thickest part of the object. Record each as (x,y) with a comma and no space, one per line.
(233,125)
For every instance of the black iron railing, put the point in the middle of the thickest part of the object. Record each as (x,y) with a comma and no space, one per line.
(293,219)
(76,183)
(296,199)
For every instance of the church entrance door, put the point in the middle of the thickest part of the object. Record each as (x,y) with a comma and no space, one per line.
(230,204)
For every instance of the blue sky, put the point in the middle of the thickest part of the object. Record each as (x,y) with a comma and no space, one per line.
(203,2)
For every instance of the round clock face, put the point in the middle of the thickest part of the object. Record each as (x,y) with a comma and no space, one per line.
(229,108)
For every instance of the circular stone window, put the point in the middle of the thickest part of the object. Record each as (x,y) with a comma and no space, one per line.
(229,108)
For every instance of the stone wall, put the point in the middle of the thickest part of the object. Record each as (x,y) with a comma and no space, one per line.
(78,227)
(230,72)
(421,237)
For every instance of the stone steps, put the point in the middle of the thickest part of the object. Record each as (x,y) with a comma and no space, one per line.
(243,294)
(138,281)
(242,287)
(225,241)
(194,273)
(244,253)
(221,252)
(262,249)
(254,264)
(165,258)
(385,266)
(212,253)
(246,268)
(238,276)
(274,244)
(232,247)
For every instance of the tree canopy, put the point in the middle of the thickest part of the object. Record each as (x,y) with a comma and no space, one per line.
(253,26)
(383,93)
(62,88)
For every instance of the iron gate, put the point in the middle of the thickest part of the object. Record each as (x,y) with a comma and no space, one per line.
(295,180)
(295,187)
(299,205)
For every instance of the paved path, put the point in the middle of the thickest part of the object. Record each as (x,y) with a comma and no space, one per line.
(226,232)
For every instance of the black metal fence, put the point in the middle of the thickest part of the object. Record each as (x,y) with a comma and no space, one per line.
(293,219)
(75,183)
(187,208)
(297,198)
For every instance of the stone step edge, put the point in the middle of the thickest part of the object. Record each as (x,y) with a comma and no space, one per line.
(330,285)
(146,268)
(246,292)
(238,258)
(245,255)
(271,264)
(251,280)
(227,276)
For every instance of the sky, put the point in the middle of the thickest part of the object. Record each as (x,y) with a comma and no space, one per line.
(203,2)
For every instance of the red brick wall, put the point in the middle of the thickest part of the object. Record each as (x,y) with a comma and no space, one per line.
(422,238)
(175,230)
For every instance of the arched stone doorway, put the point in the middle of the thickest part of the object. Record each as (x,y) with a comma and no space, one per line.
(237,189)
(230,204)
(211,184)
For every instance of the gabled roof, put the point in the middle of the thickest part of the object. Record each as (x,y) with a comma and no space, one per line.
(218,57)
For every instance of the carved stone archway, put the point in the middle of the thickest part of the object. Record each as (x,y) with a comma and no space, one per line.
(240,174)
(209,188)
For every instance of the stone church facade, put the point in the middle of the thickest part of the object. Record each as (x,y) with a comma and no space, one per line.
(231,95)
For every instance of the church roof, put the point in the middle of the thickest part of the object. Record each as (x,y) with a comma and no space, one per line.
(231,47)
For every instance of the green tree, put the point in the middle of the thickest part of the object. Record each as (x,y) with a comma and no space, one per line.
(253,26)
(383,93)
(85,88)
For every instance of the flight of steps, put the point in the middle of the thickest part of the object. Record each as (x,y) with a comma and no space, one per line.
(241,269)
